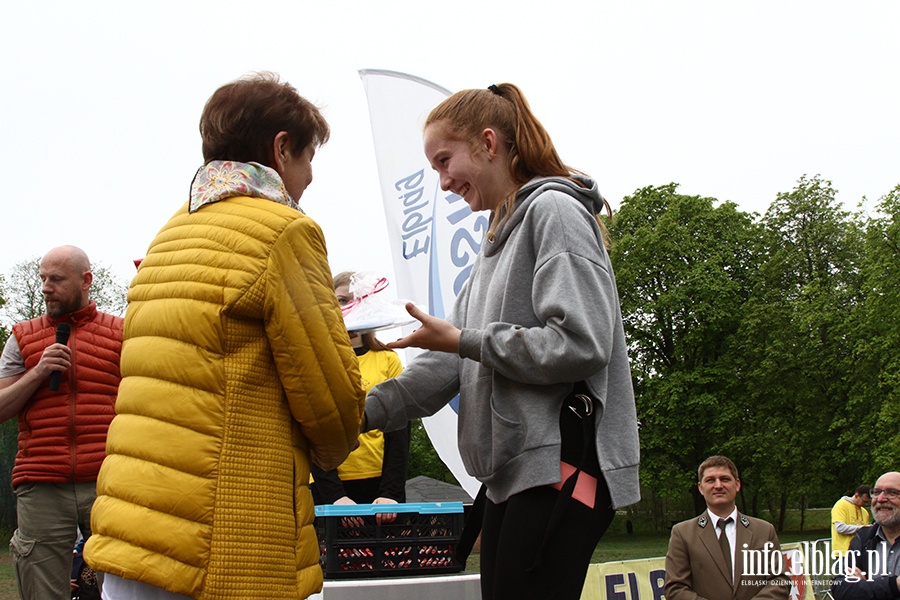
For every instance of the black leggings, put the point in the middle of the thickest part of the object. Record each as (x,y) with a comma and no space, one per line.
(531,523)
(513,532)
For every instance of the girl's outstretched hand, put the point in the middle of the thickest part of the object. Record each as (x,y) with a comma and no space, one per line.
(434,334)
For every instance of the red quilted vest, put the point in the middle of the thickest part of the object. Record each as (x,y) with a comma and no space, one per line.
(62,434)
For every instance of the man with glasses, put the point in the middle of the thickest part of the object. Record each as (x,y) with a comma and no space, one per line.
(873,561)
(849,515)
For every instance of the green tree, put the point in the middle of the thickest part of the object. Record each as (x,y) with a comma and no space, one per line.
(683,267)
(21,289)
(22,292)
(871,423)
(8,435)
(795,349)
(4,330)
(423,458)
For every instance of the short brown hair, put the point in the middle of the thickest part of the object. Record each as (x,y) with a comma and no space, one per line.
(242,118)
(717,461)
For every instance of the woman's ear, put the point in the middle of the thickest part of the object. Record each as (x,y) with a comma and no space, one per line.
(280,150)
(490,142)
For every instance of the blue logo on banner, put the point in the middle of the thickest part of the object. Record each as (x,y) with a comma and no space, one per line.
(462,249)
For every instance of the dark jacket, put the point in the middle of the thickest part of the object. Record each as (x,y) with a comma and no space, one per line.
(880,588)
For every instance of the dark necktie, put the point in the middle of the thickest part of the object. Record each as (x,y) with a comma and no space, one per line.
(726,547)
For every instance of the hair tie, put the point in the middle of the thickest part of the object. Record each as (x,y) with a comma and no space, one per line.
(495,89)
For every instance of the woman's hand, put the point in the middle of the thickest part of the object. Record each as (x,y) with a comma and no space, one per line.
(434,334)
(385,517)
(349,522)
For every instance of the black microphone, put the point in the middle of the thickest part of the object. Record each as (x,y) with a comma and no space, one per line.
(62,336)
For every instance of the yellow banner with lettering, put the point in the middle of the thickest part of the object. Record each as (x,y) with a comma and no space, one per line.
(644,579)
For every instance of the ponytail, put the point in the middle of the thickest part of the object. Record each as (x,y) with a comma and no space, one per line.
(532,153)
(503,108)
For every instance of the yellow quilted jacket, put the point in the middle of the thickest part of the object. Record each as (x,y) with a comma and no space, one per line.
(237,370)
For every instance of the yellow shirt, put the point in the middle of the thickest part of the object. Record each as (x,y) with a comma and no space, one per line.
(365,462)
(844,511)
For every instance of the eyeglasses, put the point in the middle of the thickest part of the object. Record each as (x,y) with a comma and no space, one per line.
(889,492)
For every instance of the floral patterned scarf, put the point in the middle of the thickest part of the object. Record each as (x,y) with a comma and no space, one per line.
(221,179)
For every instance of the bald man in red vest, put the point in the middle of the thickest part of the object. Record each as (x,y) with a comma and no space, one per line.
(64,396)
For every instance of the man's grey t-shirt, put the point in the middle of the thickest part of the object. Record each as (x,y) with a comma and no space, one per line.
(11,362)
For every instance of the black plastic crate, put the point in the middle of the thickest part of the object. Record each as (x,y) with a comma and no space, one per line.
(421,541)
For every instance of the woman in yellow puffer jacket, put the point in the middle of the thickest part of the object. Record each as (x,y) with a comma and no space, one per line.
(237,372)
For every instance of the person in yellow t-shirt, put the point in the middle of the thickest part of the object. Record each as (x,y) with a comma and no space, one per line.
(374,473)
(847,516)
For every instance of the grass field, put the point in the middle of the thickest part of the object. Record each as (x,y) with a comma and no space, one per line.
(616,545)
(7,579)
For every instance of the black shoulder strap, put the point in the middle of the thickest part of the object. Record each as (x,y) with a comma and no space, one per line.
(472,527)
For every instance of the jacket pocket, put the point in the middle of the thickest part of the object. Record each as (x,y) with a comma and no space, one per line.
(507,440)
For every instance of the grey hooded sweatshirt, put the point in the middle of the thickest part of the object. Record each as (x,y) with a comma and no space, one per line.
(539,312)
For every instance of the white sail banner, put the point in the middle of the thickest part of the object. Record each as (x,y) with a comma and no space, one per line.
(434,236)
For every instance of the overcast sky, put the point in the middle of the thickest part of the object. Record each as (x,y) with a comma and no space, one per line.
(733,100)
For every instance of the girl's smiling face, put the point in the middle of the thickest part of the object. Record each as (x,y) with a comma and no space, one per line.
(477,172)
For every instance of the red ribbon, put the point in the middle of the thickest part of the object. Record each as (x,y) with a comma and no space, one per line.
(379,285)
